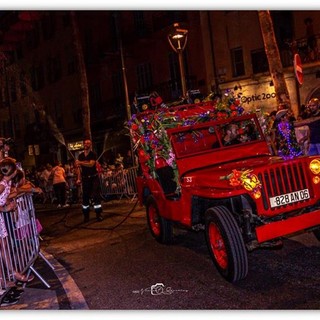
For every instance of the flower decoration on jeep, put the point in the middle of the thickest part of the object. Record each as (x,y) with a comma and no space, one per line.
(246,179)
(149,136)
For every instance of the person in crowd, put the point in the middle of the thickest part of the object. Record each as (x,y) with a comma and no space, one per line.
(303,136)
(311,39)
(314,124)
(8,171)
(49,187)
(71,180)
(285,138)
(46,184)
(21,185)
(231,135)
(59,184)
(119,159)
(129,160)
(4,148)
(90,181)
(270,132)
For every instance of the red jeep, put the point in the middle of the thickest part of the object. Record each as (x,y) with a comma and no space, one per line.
(207,167)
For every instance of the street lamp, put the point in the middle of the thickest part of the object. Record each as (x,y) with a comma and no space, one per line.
(178,41)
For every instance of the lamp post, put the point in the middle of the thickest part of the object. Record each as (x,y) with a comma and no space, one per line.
(178,41)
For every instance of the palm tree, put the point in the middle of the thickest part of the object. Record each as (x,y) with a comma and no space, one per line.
(273,56)
(84,90)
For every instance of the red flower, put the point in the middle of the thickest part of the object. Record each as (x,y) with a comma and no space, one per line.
(234,113)
(134,127)
(236,173)
(235,182)
(141,153)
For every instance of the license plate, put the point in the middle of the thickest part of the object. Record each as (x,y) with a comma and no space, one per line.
(288,198)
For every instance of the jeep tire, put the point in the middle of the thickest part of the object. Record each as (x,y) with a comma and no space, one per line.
(161,228)
(225,244)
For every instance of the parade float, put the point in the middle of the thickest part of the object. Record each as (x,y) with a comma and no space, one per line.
(207,166)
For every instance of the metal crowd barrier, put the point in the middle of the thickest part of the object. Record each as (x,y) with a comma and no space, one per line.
(121,183)
(19,242)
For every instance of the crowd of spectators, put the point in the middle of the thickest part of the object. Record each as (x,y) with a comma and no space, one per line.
(289,136)
(43,177)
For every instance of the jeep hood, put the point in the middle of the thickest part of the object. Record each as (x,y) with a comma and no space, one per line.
(217,176)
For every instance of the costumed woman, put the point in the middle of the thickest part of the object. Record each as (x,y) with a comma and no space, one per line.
(285,138)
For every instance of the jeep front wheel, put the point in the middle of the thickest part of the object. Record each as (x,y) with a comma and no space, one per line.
(225,244)
(161,228)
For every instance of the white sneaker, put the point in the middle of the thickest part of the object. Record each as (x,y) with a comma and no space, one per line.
(66,205)
(59,206)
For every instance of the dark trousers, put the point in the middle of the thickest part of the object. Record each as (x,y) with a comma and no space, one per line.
(91,190)
(60,192)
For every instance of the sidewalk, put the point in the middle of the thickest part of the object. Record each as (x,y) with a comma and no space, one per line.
(63,293)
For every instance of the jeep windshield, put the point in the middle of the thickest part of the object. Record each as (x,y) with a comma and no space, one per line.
(214,136)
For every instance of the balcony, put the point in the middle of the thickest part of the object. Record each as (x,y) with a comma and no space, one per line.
(300,46)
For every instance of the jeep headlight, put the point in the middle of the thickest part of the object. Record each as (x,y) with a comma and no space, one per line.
(314,166)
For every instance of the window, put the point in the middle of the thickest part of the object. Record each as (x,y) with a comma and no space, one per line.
(237,62)
(144,75)
(259,61)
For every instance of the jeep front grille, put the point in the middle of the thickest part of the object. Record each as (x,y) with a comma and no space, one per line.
(281,180)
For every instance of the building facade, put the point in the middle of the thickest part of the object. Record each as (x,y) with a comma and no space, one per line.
(240,61)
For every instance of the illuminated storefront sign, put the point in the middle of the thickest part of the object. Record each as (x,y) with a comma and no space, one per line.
(78,145)
(258,97)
